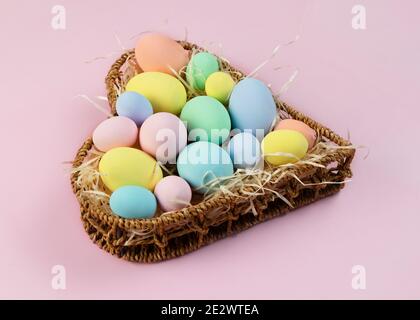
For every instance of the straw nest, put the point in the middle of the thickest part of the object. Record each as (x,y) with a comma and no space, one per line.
(241,201)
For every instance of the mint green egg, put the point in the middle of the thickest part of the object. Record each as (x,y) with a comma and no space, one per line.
(206,119)
(200,67)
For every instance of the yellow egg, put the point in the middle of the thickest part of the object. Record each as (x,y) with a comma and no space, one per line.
(219,85)
(284,146)
(129,167)
(166,93)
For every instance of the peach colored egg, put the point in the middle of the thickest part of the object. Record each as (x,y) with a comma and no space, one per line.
(173,193)
(292,124)
(163,135)
(115,132)
(157,52)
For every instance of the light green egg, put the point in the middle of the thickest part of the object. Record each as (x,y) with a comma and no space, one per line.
(200,67)
(207,120)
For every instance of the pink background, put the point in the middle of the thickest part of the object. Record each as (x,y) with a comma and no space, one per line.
(364,82)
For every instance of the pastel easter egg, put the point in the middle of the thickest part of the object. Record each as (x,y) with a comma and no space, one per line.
(115,132)
(129,167)
(157,52)
(200,67)
(133,202)
(163,136)
(284,146)
(219,85)
(244,150)
(173,193)
(207,120)
(165,93)
(251,106)
(292,124)
(134,106)
(200,163)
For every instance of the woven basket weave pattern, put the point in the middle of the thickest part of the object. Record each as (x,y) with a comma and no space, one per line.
(186,230)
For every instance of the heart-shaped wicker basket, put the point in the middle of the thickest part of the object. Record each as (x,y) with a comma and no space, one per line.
(177,233)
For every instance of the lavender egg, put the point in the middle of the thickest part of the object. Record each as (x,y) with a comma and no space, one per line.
(244,150)
(135,106)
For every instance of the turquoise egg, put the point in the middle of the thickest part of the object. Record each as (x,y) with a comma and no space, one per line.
(133,202)
(202,162)
(244,150)
(207,120)
(200,67)
(252,107)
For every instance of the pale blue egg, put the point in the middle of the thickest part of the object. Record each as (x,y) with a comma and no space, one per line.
(245,150)
(135,106)
(251,106)
(133,202)
(202,162)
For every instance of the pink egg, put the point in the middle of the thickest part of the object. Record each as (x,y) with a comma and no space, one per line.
(157,52)
(115,132)
(173,193)
(163,135)
(292,124)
